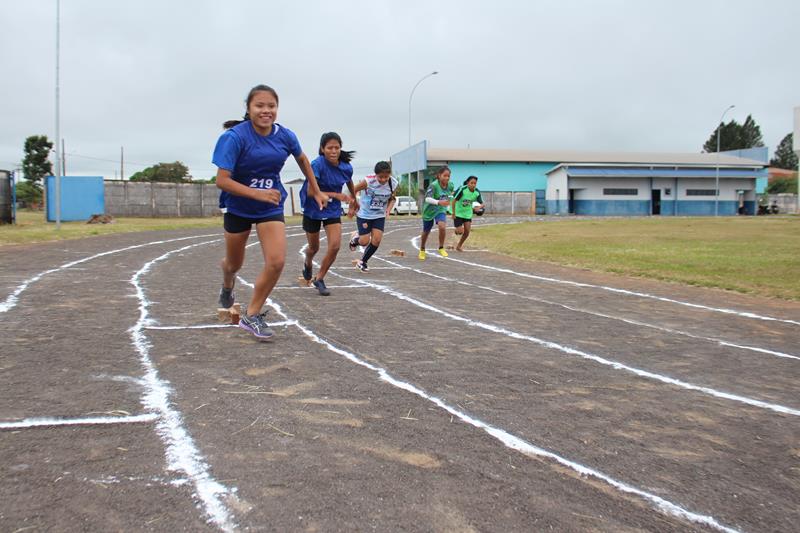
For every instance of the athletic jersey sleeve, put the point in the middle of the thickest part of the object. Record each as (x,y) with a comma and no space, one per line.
(429,193)
(294,144)
(479,199)
(226,153)
(315,164)
(459,193)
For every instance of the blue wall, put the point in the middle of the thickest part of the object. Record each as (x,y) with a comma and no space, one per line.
(557,207)
(612,207)
(81,197)
(706,207)
(643,207)
(512,177)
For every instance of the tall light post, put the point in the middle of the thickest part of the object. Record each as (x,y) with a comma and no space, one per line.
(58,111)
(716,182)
(412,96)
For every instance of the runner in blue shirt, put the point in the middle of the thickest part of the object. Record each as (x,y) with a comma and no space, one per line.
(333,171)
(250,155)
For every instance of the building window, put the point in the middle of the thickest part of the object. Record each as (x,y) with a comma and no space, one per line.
(620,192)
(667,192)
(701,192)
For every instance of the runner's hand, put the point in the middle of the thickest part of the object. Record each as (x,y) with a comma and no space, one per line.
(322,200)
(269,196)
(444,202)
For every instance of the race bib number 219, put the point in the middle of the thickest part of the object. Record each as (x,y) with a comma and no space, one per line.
(261,183)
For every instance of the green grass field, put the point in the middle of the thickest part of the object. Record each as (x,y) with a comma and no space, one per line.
(31,227)
(756,255)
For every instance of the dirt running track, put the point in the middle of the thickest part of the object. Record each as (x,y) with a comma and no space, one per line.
(476,393)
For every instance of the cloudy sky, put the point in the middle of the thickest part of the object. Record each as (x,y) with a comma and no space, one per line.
(160,76)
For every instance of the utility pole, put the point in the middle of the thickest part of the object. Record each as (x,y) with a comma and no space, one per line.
(121,162)
(58,111)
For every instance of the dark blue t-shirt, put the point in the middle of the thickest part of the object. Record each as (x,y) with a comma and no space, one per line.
(330,178)
(255,161)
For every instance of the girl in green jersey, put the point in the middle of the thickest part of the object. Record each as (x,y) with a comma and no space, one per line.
(464,207)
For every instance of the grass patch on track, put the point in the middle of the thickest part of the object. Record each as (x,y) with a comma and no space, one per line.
(31,227)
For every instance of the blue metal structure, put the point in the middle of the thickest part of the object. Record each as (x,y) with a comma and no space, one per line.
(81,197)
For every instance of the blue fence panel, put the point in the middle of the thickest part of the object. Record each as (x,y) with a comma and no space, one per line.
(81,197)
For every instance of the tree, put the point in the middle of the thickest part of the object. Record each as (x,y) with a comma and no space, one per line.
(28,193)
(175,172)
(785,157)
(779,185)
(36,164)
(735,136)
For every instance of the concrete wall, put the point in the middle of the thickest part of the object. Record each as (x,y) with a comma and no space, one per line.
(786,202)
(143,199)
(509,203)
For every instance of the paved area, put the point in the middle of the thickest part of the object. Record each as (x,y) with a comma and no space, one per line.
(474,393)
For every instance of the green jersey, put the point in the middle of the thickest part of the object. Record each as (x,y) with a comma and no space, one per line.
(436,192)
(464,199)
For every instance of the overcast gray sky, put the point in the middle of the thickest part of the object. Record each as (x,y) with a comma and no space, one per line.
(160,76)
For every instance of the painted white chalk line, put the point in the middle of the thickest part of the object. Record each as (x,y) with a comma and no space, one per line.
(11,300)
(90,421)
(509,440)
(211,326)
(743,314)
(721,342)
(182,454)
(585,355)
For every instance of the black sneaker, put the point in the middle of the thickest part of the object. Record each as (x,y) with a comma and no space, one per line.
(320,285)
(362,266)
(353,242)
(226,298)
(306,272)
(256,325)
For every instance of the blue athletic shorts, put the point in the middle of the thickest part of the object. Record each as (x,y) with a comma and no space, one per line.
(427,225)
(366,225)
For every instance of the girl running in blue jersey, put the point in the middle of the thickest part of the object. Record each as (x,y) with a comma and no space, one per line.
(377,200)
(333,171)
(250,155)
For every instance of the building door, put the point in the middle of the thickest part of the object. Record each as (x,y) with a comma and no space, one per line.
(571,202)
(656,202)
(540,201)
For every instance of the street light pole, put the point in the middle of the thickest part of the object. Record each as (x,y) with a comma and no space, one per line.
(716,182)
(58,126)
(412,96)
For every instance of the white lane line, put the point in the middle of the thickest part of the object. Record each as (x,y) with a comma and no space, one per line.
(211,326)
(721,342)
(291,288)
(509,440)
(743,314)
(11,300)
(182,454)
(90,421)
(616,365)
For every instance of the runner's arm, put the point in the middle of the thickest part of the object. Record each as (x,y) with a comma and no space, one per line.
(313,186)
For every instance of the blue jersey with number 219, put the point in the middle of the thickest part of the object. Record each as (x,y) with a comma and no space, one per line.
(255,161)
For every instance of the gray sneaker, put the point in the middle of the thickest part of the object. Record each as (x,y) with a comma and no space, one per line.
(256,325)
(226,298)
(320,285)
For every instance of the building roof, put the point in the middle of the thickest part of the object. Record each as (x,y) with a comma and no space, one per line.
(568,156)
(775,172)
